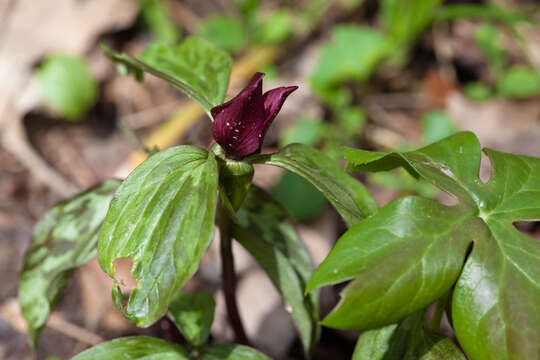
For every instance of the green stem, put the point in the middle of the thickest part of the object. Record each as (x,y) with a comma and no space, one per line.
(229,277)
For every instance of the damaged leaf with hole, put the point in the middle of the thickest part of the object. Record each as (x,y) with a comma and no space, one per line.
(162,217)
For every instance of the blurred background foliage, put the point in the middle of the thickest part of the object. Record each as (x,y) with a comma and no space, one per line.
(374,74)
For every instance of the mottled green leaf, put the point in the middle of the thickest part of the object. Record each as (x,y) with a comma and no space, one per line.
(193,313)
(232,352)
(347,195)
(496,297)
(263,230)
(67,85)
(162,217)
(410,340)
(196,67)
(64,238)
(135,348)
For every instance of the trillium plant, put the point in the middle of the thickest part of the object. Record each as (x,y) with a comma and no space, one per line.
(467,262)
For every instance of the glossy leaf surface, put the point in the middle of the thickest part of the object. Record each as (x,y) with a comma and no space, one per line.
(135,348)
(396,255)
(232,352)
(496,296)
(196,67)
(65,238)
(193,313)
(410,340)
(346,194)
(162,217)
(265,233)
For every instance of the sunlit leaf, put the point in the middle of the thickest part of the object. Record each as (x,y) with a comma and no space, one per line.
(394,256)
(65,238)
(162,217)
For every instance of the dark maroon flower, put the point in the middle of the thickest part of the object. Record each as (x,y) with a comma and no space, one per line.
(241,123)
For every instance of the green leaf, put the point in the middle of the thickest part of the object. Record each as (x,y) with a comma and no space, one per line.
(375,344)
(411,340)
(437,125)
(402,182)
(494,305)
(67,85)
(398,254)
(474,11)
(347,195)
(134,348)
(263,230)
(196,67)
(406,20)
(163,28)
(193,313)
(304,131)
(302,201)
(352,54)
(519,82)
(232,352)
(487,38)
(351,119)
(275,28)
(64,238)
(226,32)
(477,91)
(162,217)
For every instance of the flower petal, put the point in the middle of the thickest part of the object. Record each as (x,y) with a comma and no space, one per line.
(273,101)
(237,122)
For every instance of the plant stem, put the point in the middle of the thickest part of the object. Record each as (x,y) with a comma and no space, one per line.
(229,278)
(439,311)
